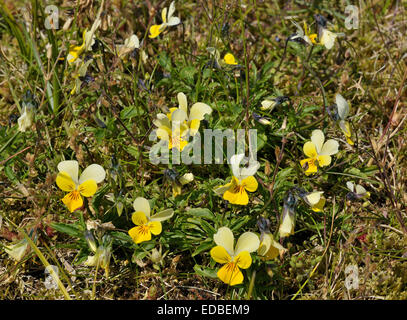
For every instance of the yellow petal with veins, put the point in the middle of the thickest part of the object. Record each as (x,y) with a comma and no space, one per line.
(65,182)
(88,188)
(220,255)
(73,200)
(230,274)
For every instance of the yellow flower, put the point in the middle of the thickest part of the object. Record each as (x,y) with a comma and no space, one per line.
(309,35)
(318,152)
(315,200)
(88,41)
(242,180)
(229,59)
(235,258)
(177,125)
(343,112)
(168,21)
(303,36)
(269,248)
(67,180)
(146,225)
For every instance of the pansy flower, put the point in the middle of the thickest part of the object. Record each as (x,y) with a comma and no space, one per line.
(303,36)
(129,45)
(287,220)
(343,111)
(269,248)
(88,38)
(315,200)
(356,191)
(146,224)
(243,180)
(168,21)
(233,258)
(176,125)
(318,152)
(86,186)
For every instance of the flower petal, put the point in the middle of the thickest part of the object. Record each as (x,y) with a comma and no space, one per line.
(182,101)
(250,184)
(142,204)
(318,138)
(230,274)
(248,241)
(154,31)
(313,198)
(73,200)
(224,238)
(330,147)
(235,164)
(93,172)
(173,21)
(198,111)
(178,116)
(194,126)
(155,227)
(220,255)
(342,105)
(310,149)
(328,38)
(140,234)
(88,188)
(236,195)
(350,186)
(65,182)
(139,218)
(222,189)
(319,206)
(324,161)
(71,167)
(163,215)
(250,170)
(243,260)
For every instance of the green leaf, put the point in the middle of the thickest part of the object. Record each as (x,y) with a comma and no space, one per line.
(187,73)
(129,112)
(164,61)
(204,246)
(202,213)
(205,272)
(70,229)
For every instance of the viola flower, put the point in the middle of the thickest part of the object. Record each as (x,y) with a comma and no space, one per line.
(77,75)
(168,21)
(25,121)
(315,200)
(269,248)
(102,255)
(356,192)
(18,249)
(130,44)
(288,216)
(242,180)
(303,36)
(67,180)
(177,124)
(318,152)
(327,38)
(88,38)
(146,224)
(230,59)
(343,111)
(235,258)
(270,104)
(183,180)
